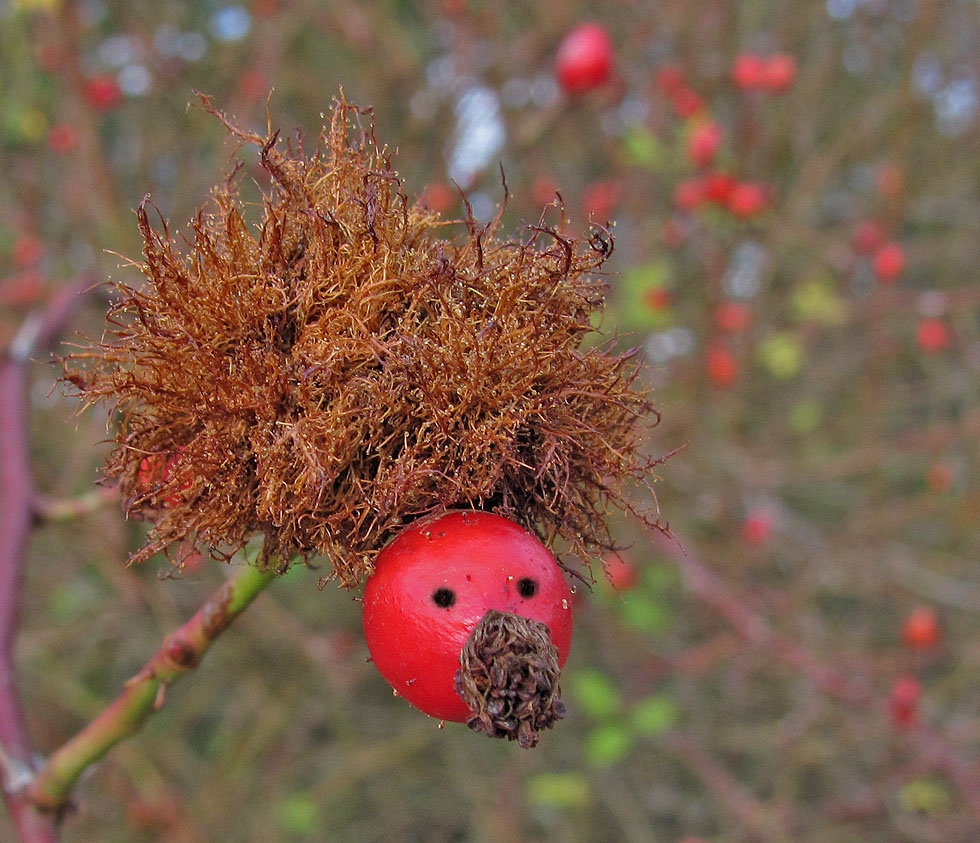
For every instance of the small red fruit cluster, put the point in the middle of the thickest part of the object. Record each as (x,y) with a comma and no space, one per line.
(773,75)
(921,633)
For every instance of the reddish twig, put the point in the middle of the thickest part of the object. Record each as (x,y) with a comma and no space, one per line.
(16,511)
(180,653)
(707,587)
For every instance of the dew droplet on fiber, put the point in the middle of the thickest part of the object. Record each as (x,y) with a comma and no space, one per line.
(564,604)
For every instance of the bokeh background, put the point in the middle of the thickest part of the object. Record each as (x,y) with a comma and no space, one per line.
(796,257)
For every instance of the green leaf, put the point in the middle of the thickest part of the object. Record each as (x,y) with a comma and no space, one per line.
(300,814)
(596,694)
(608,744)
(645,612)
(558,790)
(642,148)
(654,715)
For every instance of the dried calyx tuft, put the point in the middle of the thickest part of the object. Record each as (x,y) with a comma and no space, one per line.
(508,677)
(340,367)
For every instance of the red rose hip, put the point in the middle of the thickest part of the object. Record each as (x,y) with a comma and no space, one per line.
(444,582)
(585,59)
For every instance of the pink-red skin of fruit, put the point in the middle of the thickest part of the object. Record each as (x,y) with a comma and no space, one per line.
(482,559)
(933,335)
(585,59)
(888,262)
(920,629)
(903,702)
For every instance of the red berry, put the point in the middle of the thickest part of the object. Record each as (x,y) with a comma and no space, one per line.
(433,584)
(732,317)
(888,262)
(669,79)
(103,92)
(154,471)
(722,369)
(544,190)
(718,187)
(619,571)
(687,102)
(703,143)
(747,200)
(920,630)
(779,73)
(599,199)
(933,335)
(438,197)
(689,194)
(889,180)
(868,237)
(585,59)
(757,528)
(748,71)
(62,138)
(27,250)
(903,702)
(657,299)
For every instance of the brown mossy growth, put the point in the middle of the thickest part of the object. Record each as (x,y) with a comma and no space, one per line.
(508,676)
(339,368)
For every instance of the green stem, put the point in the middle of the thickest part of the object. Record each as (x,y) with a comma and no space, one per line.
(180,653)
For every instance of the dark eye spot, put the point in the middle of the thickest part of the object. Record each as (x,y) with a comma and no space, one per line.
(527,587)
(444,597)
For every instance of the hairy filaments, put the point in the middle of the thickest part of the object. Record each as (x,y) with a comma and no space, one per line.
(344,366)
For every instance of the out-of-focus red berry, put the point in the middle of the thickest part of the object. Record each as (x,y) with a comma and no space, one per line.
(438,197)
(599,198)
(718,187)
(748,199)
(544,189)
(657,299)
(757,528)
(687,102)
(888,262)
(103,92)
(585,59)
(27,250)
(669,79)
(21,290)
(721,365)
(619,571)
(62,138)
(688,194)
(933,335)
(889,180)
(868,237)
(703,143)
(779,73)
(920,629)
(748,71)
(733,317)
(253,85)
(903,702)
(156,469)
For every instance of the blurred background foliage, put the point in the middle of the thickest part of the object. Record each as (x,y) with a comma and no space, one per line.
(797,261)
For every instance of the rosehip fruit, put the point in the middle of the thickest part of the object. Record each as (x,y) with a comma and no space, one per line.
(933,335)
(903,702)
(888,262)
(471,604)
(779,73)
(920,630)
(585,59)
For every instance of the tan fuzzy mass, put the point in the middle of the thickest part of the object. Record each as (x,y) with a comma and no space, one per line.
(341,367)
